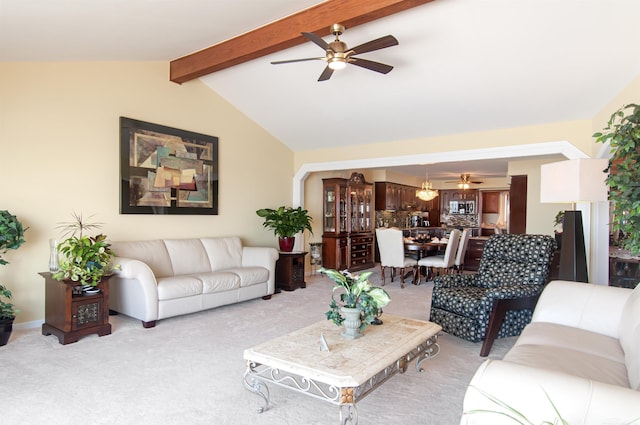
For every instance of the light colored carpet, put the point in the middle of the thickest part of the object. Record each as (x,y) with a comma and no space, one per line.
(188,370)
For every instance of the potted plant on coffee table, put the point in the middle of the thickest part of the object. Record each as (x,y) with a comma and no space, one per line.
(359,303)
(85,259)
(11,237)
(286,222)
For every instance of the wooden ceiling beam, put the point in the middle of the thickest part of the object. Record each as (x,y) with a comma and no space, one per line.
(283,34)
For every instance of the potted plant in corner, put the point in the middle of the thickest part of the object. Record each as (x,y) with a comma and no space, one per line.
(286,222)
(11,237)
(85,259)
(557,224)
(623,136)
(359,305)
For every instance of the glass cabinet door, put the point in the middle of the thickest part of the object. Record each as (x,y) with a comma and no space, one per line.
(330,209)
(368,210)
(342,208)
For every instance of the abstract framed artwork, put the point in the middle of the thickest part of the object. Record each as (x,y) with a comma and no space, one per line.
(165,170)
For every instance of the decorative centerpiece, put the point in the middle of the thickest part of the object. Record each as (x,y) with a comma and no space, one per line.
(86,259)
(360,303)
(11,237)
(285,223)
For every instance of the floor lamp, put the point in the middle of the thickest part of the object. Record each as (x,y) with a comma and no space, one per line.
(572,181)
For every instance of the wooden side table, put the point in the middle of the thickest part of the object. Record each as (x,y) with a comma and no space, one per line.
(290,271)
(69,314)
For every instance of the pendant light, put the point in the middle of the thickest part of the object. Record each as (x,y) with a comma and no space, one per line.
(426,193)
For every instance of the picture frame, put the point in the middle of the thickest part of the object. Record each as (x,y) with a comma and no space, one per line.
(165,170)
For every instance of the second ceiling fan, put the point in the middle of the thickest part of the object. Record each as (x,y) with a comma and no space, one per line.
(337,55)
(465,181)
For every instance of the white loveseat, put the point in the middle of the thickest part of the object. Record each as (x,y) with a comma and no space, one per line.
(170,277)
(580,352)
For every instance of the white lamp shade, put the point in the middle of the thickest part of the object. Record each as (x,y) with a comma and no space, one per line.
(575,180)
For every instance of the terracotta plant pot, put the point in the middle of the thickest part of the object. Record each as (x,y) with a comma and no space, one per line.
(286,243)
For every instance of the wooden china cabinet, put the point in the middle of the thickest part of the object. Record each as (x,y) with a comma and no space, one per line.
(348,223)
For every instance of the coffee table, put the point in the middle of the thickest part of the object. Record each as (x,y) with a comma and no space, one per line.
(349,370)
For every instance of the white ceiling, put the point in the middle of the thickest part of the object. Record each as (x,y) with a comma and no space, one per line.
(461,65)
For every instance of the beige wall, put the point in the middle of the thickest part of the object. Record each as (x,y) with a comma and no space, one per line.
(60,154)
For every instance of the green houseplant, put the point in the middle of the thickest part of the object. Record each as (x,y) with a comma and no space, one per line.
(11,237)
(86,259)
(356,294)
(623,136)
(286,222)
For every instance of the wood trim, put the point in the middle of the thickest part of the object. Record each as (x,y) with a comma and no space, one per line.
(283,34)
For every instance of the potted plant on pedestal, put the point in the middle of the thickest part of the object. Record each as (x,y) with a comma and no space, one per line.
(11,237)
(86,259)
(286,222)
(360,303)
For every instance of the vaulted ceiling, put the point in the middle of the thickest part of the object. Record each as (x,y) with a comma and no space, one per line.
(460,66)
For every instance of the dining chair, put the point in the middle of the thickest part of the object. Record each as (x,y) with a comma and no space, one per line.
(443,262)
(462,250)
(391,247)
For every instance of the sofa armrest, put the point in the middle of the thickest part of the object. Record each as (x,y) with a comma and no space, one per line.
(133,290)
(454,281)
(255,256)
(501,386)
(595,308)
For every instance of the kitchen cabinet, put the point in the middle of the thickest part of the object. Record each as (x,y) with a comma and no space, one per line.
(474,253)
(396,197)
(462,197)
(347,240)
(490,202)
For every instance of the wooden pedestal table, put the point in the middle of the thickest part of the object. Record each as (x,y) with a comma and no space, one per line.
(70,314)
(349,370)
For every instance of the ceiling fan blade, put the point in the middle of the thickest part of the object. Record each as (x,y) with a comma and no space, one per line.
(317,39)
(373,66)
(296,60)
(326,74)
(377,44)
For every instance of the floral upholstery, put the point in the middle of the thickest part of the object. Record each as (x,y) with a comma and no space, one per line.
(512,266)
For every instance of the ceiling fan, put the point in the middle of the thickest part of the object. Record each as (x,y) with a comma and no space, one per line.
(337,55)
(465,181)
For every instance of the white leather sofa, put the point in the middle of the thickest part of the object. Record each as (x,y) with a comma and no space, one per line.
(580,353)
(164,278)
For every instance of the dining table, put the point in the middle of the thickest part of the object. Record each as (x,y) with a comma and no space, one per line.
(423,249)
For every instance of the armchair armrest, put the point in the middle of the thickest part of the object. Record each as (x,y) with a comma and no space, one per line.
(580,305)
(454,281)
(531,391)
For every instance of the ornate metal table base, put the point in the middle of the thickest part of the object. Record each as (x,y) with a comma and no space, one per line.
(257,375)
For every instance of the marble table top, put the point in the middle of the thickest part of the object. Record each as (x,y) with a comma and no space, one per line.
(348,363)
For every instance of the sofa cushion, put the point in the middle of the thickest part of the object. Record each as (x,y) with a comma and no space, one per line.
(571,362)
(223,253)
(218,281)
(188,256)
(630,336)
(178,287)
(554,335)
(152,253)
(250,275)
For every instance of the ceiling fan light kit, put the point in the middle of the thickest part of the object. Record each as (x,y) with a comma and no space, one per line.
(338,55)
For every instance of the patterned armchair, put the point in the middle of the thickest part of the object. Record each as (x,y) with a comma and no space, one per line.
(513,271)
